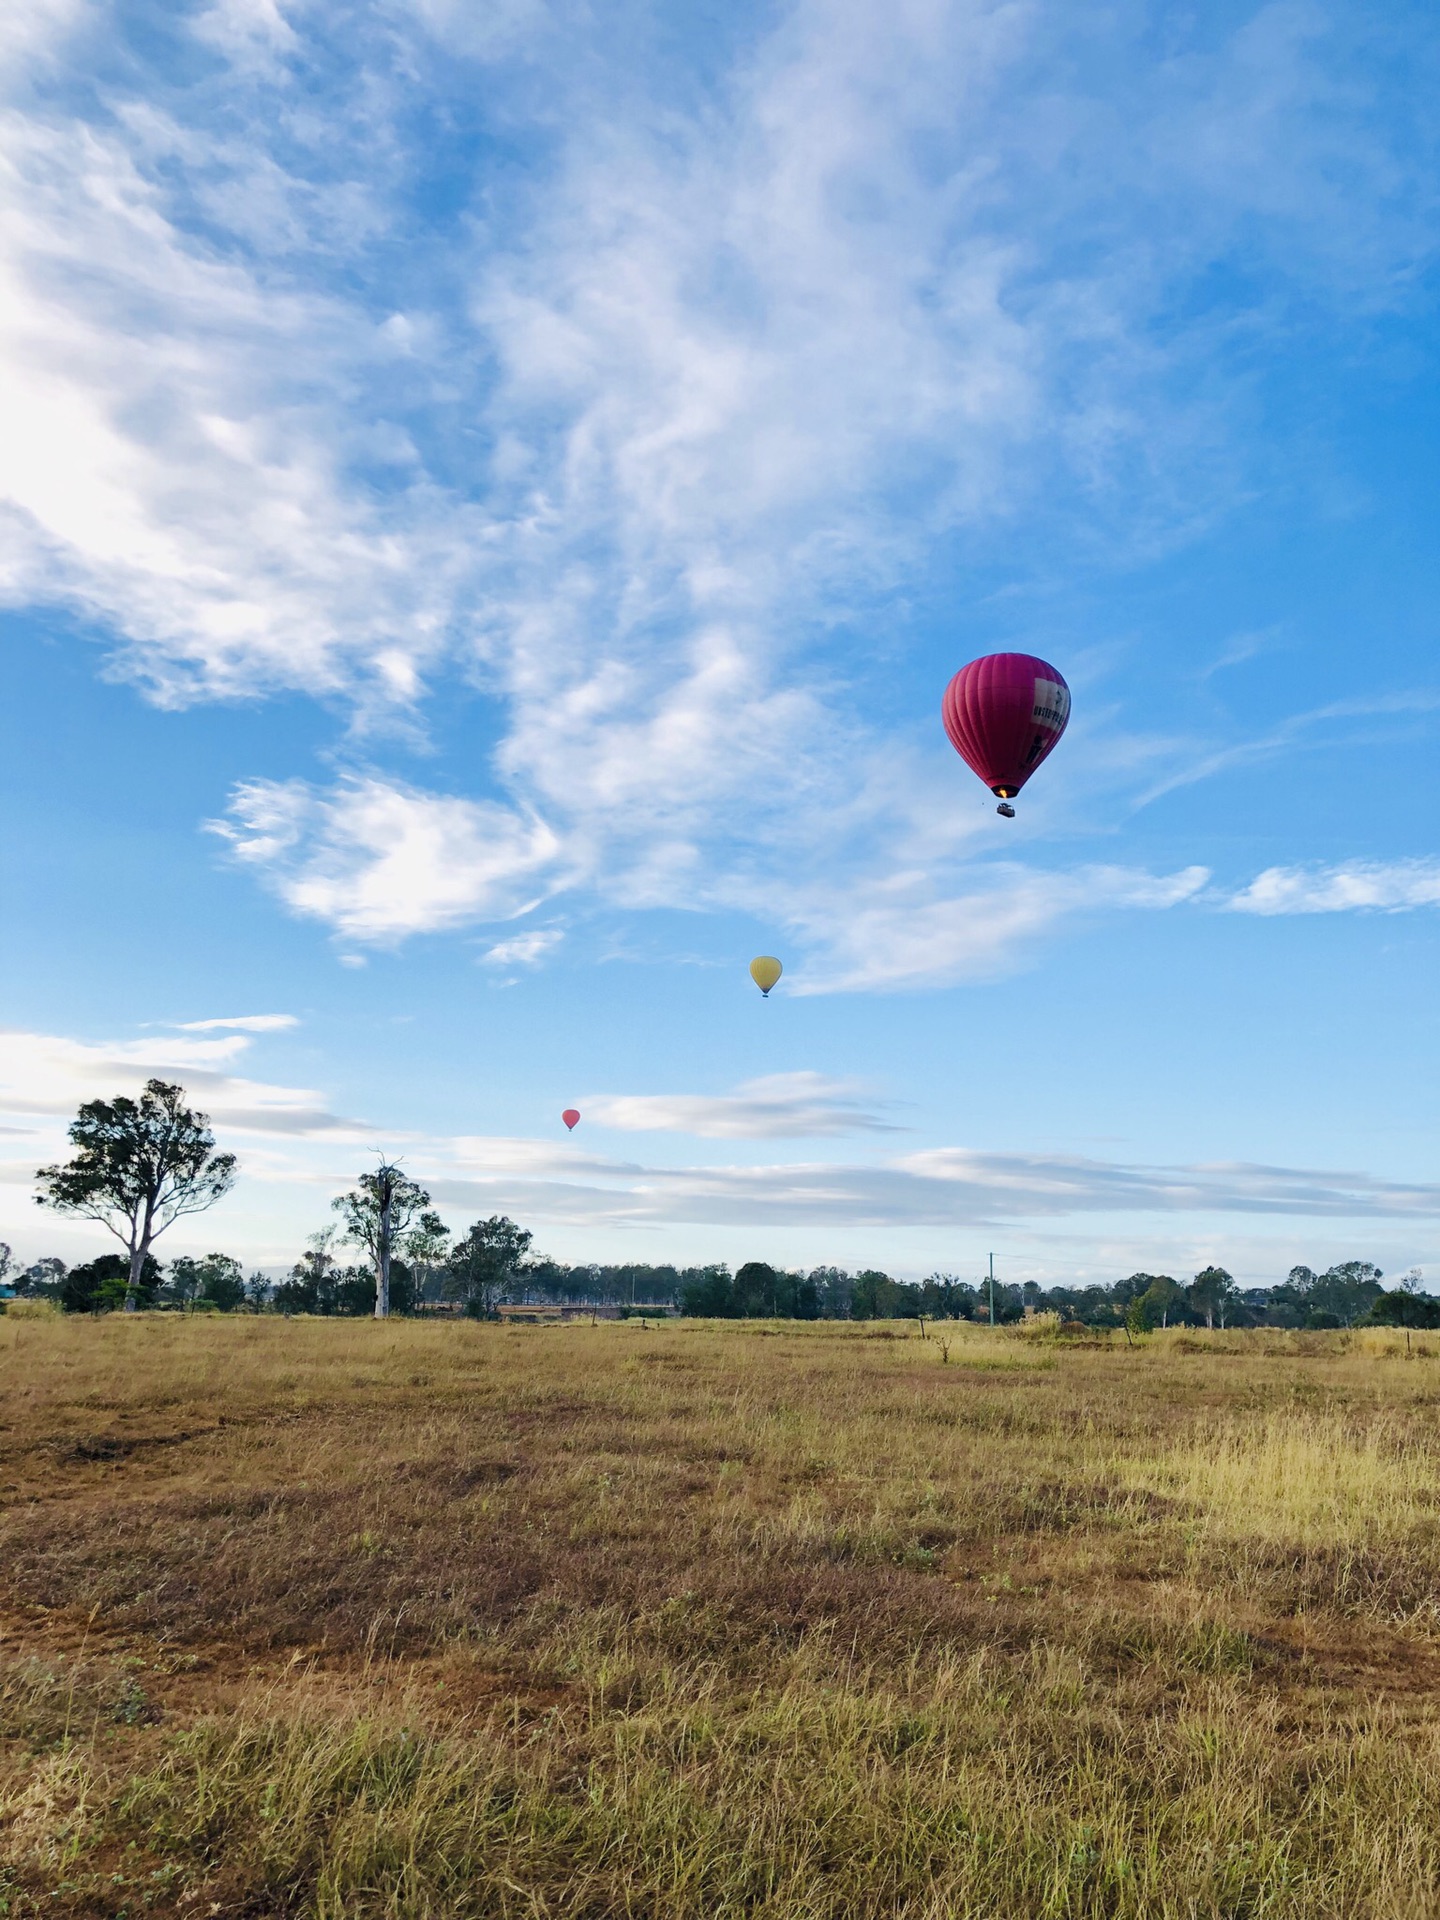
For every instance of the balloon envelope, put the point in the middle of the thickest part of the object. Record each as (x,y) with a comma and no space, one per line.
(1004,713)
(571,1117)
(765,970)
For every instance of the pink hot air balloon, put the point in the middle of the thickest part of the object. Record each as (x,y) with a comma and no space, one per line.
(571,1117)
(1004,713)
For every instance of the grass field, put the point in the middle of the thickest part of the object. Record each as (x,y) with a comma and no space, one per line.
(339,1618)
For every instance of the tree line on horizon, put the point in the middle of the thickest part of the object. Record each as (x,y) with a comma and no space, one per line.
(1342,1296)
(491,1267)
(139,1165)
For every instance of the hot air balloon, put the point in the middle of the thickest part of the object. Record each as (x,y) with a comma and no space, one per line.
(765,970)
(1004,713)
(571,1117)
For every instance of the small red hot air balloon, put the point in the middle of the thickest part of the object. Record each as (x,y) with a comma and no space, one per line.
(571,1117)
(1004,713)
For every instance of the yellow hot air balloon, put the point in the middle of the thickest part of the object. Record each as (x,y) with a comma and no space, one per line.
(765,971)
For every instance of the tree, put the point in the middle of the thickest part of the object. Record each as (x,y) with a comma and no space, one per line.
(807,1297)
(311,1287)
(96,1286)
(295,1295)
(943,1297)
(7,1276)
(404,1289)
(42,1277)
(222,1282)
(1211,1294)
(1290,1302)
(1159,1298)
(139,1166)
(377,1217)
(1348,1290)
(485,1262)
(833,1287)
(427,1247)
(755,1288)
(351,1292)
(311,1271)
(1405,1305)
(1338,1297)
(1401,1308)
(183,1286)
(870,1295)
(1009,1303)
(257,1291)
(708,1294)
(216,1281)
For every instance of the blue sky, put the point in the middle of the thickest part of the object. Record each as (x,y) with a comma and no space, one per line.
(490,500)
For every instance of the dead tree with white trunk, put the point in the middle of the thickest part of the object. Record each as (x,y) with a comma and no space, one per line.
(378,1215)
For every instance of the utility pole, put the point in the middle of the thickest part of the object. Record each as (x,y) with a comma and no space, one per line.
(992,1289)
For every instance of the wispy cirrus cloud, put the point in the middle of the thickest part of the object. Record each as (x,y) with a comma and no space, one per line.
(898,934)
(647,450)
(778,1106)
(243,1023)
(524,949)
(937,1187)
(159,472)
(1381,886)
(1312,729)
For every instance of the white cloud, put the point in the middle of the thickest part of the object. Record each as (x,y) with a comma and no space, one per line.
(1389,886)
(179,461)
(525,949)
(377,861)
(246,30)
(649,445)
(33,28)
(50,1075)
(243,1023)
(295,1155)
(1037,1184)
(896,934)
(779,1106)
(937,1187)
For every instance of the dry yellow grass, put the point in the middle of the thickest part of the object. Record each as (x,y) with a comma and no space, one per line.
(344,1619)
(1311,1480)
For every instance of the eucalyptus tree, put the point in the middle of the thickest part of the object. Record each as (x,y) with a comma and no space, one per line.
(486,1262)
(378,1214)
(1212,1293)
(216,1280)
(139,1166)
(427,1247)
